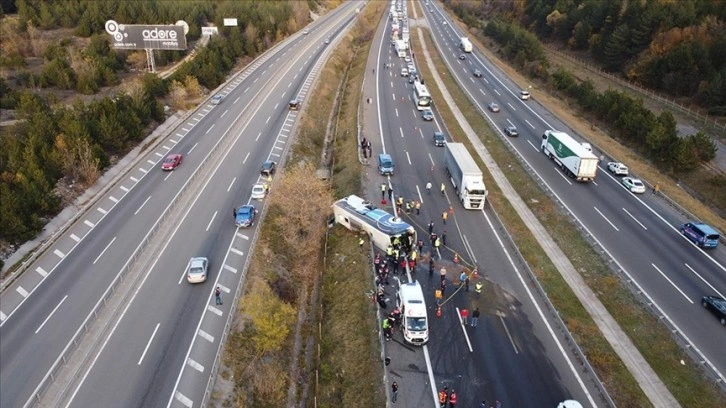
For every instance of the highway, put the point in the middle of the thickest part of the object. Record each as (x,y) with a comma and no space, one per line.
(639,232)
(516,346)
(163,344)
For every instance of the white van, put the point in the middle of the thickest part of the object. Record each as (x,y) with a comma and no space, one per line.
(414,323)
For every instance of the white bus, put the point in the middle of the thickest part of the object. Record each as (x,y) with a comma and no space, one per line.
(384,229)
(421,96)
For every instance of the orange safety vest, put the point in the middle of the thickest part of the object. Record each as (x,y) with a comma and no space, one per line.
(442,396)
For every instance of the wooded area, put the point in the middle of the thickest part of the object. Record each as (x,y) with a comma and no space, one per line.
(678,47)
(77,142)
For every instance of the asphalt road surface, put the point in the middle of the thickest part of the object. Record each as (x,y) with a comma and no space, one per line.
(148,360)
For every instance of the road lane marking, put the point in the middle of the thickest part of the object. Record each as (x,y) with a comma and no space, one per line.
(243,236)
(24,293)
(59,253)
(143,170)
(143,204)
(104,251)
(112,198)
(409,158)
(101,210)
(41,271)
(223,288)
(671,282)
(401,130)
(214,310)
(51,314)
(75,238)
(463,328)
(148,343)
(497,92)
(193,147)
(635,219)
(396,112)
(562,175)
(530,125)
(467,246)
(237,251)
(394,97)
(183,399)
(3,316)
(511,340)
(432,162)
(126,189)
(210,129)
(258,136)
(134,179)
(235,101)
(230,184)
(229,268)
(89,223)
(223,113)
(704,280)
(151,162)
(210,221)
(606,219)
(206,336)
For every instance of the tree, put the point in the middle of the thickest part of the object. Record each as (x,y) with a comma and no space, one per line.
(270,317)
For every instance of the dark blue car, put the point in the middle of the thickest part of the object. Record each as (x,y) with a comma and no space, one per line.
(244,216)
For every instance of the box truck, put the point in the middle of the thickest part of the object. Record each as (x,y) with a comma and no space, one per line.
(570,155)
(465,44)
(401,47)
(465,176)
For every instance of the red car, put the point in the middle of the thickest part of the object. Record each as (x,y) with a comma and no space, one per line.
(171,162)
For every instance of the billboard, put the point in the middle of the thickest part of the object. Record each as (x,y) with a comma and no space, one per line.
(210,31)
(230,22)
(141,37)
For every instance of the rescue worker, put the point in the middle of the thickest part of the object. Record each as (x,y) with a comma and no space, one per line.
(418,208)
(413,256)
(443,189)
(431,227)
(444,397)
(444,216)
(387,329)
(477,288)
(408,208)
(389,252)
(383,191)
(419,244)
(437,243)
(428,188)
(452,399)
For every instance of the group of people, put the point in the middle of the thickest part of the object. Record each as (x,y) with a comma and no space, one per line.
(365,146)
(393,320)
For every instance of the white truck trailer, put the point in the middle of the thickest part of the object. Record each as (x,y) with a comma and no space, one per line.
(465,44)
(465,176)
(570,155)
(401,47)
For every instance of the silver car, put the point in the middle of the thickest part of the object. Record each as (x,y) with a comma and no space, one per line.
(217,99)
(197,270)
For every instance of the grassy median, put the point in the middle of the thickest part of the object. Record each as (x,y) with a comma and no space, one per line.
(653,340)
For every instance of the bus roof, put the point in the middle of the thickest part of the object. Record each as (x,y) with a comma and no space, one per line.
(421,89)
(373,216)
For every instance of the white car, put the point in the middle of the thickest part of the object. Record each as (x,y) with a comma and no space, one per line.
(259,191)
(197,270)
(524,95)
(404,72)
(407,58)
(634,185)
(618,168)
(217,99)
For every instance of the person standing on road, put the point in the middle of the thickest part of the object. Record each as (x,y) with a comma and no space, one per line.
(475,317)
(390,192)
(418,207)
(217,296)
(477,289)
(443,189)
(394,392)
(443,238)
(383,191)
(428,188)
(419,244)
(431,266)
(431,227)
(444,216)
(464,319)
(462,278)
(452,399)
(444,397)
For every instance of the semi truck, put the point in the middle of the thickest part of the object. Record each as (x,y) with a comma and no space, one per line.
(357,214)
(465,44)
(401,47)
(465,176)
(574,159)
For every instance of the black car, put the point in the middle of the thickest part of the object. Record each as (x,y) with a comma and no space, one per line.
(439,139)
(511,131)
(268,168)
(717,306)
(462,57)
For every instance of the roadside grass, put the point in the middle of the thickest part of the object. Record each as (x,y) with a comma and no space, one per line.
(653,340)
(348,353)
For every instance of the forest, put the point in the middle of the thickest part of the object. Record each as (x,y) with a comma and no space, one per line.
(676,47)
(53,141)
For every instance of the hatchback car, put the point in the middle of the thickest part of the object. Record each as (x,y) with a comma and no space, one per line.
(244,216)
(634,185)
(427,115)
(268,168)
(407,58)
(439,139)
(477,73)
(511,131)
(462,57)
(197,269)
(171,161)
(524,95)
(493,107)
(618,168)
(717,306)
(295,104)
(217,99)
(259,191)
(404,72)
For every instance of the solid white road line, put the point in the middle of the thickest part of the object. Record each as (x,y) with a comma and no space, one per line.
(51,314)
(148,343)
(606,219)
(210,129)
(104,251)
(511,340)
(212,220)
(671,282)
(142,205)
(463,329)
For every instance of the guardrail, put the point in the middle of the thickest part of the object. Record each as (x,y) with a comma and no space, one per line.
(72,345)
